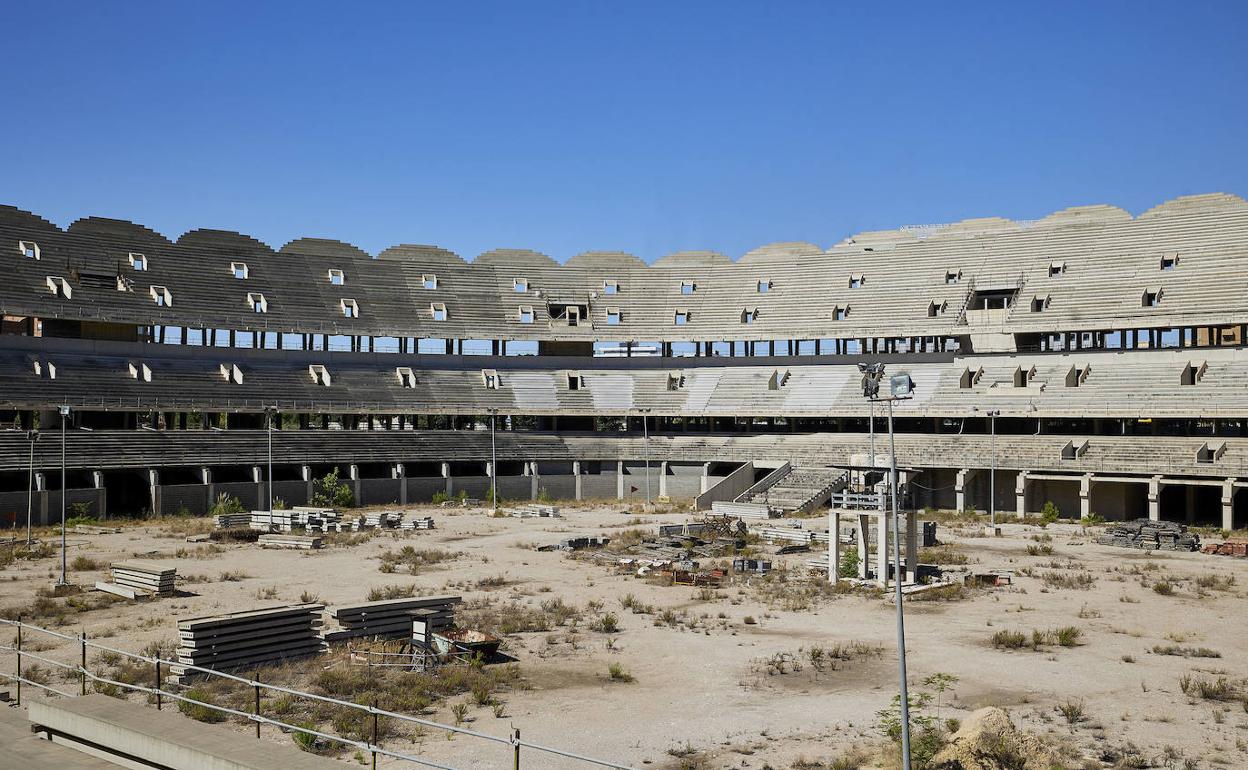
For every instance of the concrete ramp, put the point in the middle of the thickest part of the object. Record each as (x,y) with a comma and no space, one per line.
(140,736)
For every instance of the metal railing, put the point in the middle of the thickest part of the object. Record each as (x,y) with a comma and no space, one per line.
(158,692)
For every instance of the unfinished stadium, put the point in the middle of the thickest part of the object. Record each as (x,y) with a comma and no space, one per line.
(1094,359)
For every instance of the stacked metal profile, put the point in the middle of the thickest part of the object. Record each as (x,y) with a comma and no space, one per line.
(388,618)
(250,638)
(425,523)
(383,519)
(232,520)
(1150,535)
(534,511)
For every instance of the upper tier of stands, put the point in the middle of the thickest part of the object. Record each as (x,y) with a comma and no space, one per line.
(1188,383)
(1092,267)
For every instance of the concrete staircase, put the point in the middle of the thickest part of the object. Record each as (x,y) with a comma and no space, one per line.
(800,490)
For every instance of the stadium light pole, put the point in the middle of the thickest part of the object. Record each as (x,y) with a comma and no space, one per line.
(900,387)
(992,473)
(32,436)
(269,412)
(64,414)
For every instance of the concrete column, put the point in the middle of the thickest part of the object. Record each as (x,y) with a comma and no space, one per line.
(1021,482)
(1228,504)
(576,477)
(1190,509)
(619,480)
(912,547)
(705,483)
(535,481)
(257,477)
(864,522)
(959,488)
(153,485)
(1085,495)
(354,472)
(834,546)
(446,474)
(663,476)
(1154,498)
(881,551)
(305,473)
(101,494)
(400,473)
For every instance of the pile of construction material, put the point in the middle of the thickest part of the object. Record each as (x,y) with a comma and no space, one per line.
(232,520)
(389,618)
(1150,535)
(751,565)
(283,540)
(265,521)
(534,511)
(425,523)
(140,580)
(382,519)
(1229,548)
(745,510)
(240,640)
(576,544)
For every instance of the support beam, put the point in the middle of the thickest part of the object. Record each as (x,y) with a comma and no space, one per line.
(1154,498)
(1085,495)
(446,474)
(1021,484)
(1228,504)
(864,523)
(959,487)
(881,551)
(576,478)
(834,546)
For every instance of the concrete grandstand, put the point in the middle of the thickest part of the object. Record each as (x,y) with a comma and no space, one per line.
(1111,346)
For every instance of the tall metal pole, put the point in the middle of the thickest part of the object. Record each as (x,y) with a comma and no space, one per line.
(871,406)
(64,570)
(901,621)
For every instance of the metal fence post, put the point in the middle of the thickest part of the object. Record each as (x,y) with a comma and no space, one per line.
(515,741)
(19,660)
(158,698)
(257,683)
(82,669)
(374,742)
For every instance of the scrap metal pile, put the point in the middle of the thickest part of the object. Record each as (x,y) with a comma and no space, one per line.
(1150,535)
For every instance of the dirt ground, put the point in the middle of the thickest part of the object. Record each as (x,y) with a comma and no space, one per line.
(711,684)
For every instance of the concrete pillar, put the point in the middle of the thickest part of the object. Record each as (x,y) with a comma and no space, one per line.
(305,473)
(912,547)
(576,477)
(1021,482)
(1228,504)
(619,480)
(153,485)
(101,494)
(705,483)
(864,523)
(257,477)
(663,476)
(354,472)
(1189,511)
(400,473)
(1085,495)
(1154,498)
(881,551)
(446,474)
(959,488)
(535,480)
(834,546)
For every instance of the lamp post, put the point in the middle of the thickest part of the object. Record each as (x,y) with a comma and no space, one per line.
(645,447)
(64,414)
(32,436)
(900,386)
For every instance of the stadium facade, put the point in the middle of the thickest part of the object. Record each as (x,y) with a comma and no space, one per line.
(1106,350)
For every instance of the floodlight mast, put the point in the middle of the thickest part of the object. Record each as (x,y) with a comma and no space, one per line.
(900,387)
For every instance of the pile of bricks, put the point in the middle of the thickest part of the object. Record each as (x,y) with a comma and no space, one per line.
(1230,548)
(1150,535)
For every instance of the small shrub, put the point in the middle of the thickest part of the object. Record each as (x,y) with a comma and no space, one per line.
(1072,711)
(749,620)
(607,624)
(1010,640)
(391,592)
(85,564)
(1163,588)
(618,674)
(198,712)
(226,504)
(1068,636)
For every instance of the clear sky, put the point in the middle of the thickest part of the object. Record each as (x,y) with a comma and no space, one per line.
(635,126)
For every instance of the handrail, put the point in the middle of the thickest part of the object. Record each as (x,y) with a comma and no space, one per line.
(159,692)
(765,482)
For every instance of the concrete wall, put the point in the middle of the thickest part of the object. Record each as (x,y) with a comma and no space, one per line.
(247,493)
(378,492)
(559,487)
(192,498)
(47,506)
(421,489)
(1063,494)
(600,486)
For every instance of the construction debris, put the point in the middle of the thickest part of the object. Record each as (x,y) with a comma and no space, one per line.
(305,542)
(84,529)
(751,565)
(247,639)
(745,510)
(533,511)
(1229,548)
(1150,535)
(144,577)
(576,544)
(391,618)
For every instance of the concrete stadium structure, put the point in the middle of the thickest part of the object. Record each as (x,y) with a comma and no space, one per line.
(1111,348)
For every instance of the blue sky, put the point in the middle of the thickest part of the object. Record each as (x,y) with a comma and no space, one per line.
(642,127)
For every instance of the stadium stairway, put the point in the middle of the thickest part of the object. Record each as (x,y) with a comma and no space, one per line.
(802,489)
